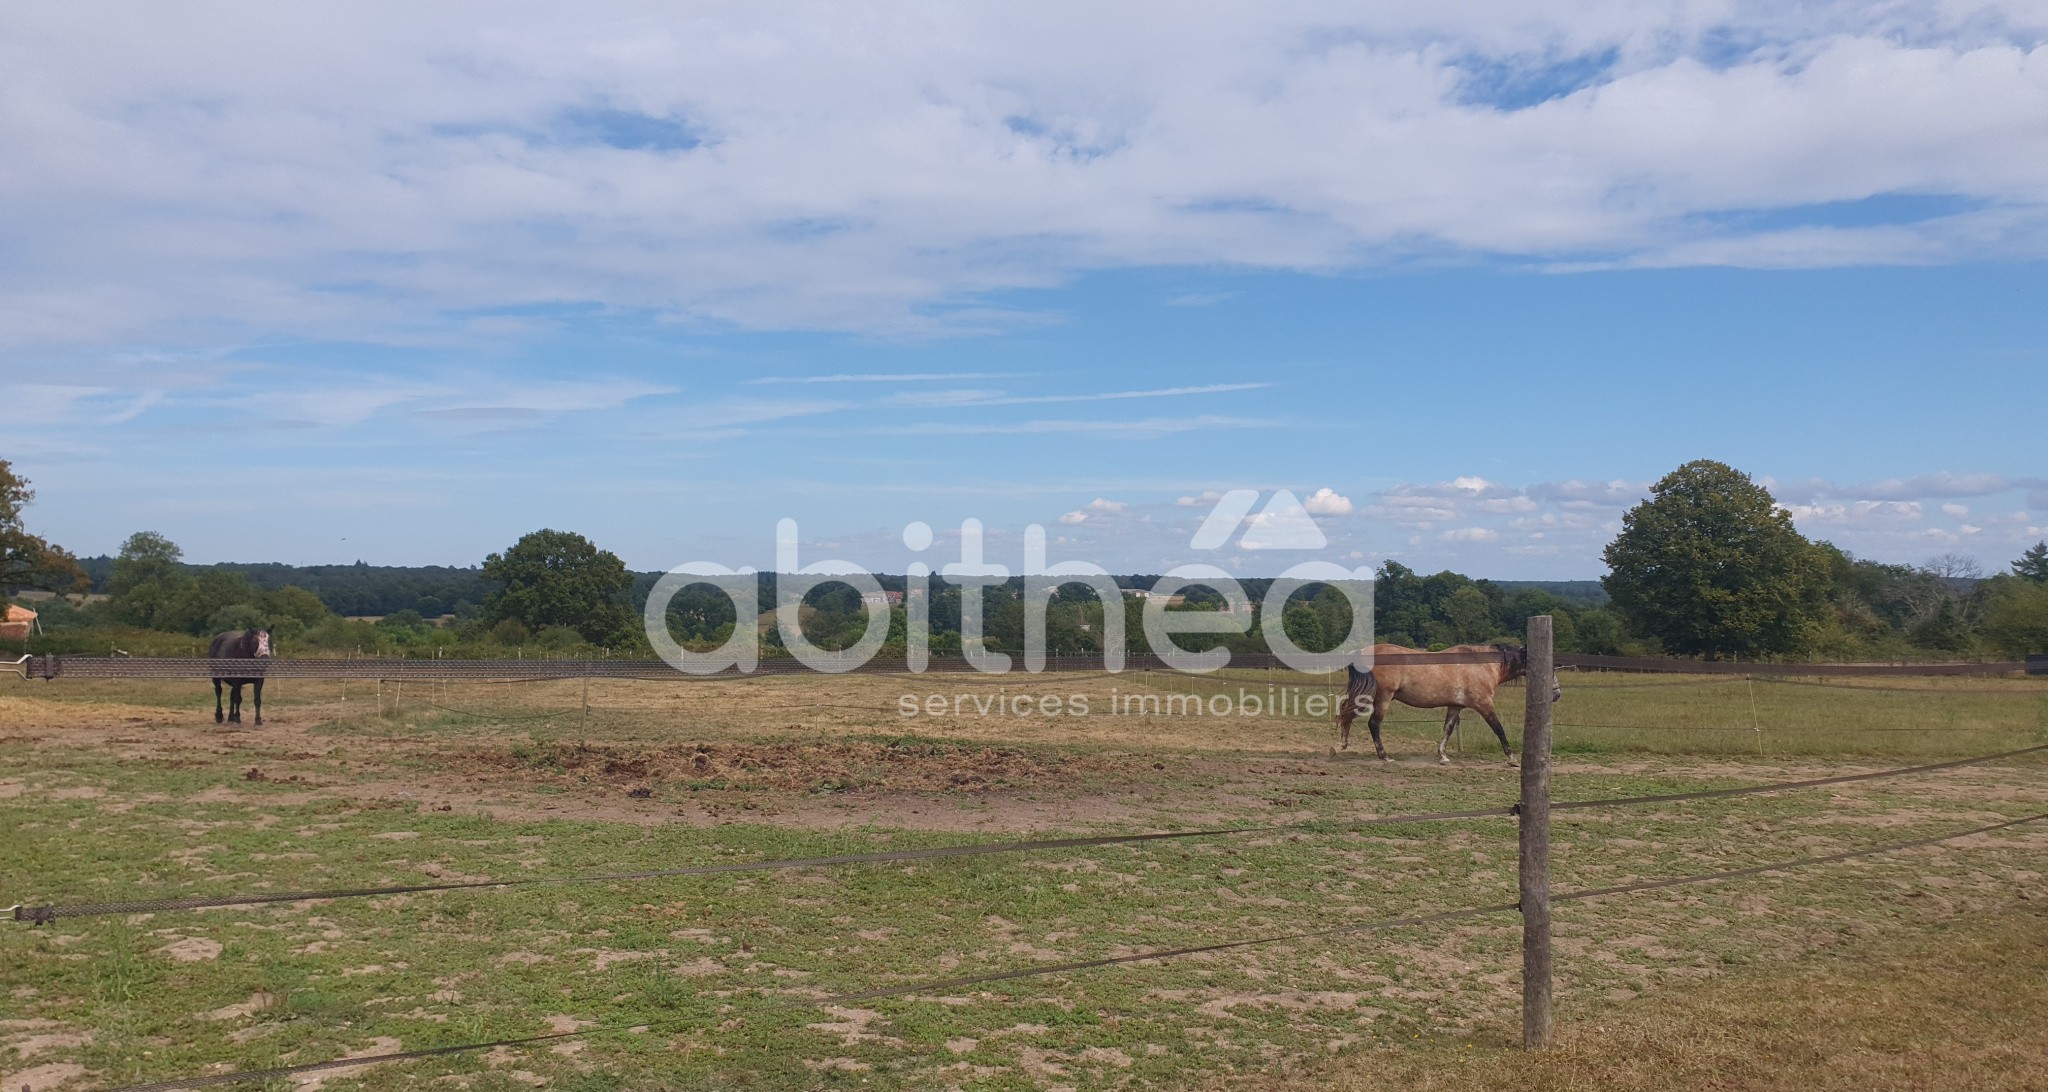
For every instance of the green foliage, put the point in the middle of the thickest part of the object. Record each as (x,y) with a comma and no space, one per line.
(26,560)
(1710,565)
(2033,565)
(560,578)
(402,620)
(147,557)
(2016,616)
(294,603)
(1304,627)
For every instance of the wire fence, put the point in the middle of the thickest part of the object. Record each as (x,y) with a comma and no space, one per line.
(946,985)
(393,669)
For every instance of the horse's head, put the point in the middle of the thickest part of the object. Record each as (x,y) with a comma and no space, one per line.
(259,640)
(1517,660)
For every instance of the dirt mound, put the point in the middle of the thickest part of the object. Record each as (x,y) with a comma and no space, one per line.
(823,767)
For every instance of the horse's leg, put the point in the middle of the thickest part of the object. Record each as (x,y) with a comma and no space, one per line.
(1499,731)
(1450,725)
(234,703)
(256,688)
(1372,724)
(1346,713)
(218,716)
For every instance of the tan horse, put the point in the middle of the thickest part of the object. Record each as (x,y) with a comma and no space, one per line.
(1453,685)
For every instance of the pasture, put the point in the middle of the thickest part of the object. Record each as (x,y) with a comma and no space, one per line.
(117,790)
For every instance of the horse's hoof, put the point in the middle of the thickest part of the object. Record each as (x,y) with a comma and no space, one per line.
(1512,764)
(1442,761)
(218,719)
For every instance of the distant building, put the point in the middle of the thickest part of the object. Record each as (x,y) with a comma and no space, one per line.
(1146,593)
(891,598)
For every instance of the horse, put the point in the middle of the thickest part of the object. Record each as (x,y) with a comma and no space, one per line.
(1454,685)
(250,644)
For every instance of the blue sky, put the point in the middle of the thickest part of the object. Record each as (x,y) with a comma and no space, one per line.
(402,287)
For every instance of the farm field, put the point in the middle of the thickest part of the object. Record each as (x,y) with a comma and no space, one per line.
(128,790)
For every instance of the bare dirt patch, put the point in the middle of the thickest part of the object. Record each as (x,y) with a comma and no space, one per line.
(821,767)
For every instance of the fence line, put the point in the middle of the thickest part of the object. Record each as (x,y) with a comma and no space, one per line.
(42,914)
(146,667)
(2026,688)
(1043,970)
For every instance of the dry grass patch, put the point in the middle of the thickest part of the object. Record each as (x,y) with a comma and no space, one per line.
(851,766)
(1963,1007)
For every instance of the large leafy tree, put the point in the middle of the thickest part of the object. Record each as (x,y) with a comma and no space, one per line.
(26,560)
(1711,566)
(149,573)
(560,578)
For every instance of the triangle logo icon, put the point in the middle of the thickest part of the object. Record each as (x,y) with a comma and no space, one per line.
(1283,524)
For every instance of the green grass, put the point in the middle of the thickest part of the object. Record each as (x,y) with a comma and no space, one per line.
(727,971)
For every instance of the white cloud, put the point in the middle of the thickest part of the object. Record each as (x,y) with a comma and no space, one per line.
(1327,502)
(1609,494)
(1956,510)
(1200,500)
(1100,506)
(1859,513)
(1470,534)
(402,173)
(1943,484)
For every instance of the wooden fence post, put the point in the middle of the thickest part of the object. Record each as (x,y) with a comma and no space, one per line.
(1535,837)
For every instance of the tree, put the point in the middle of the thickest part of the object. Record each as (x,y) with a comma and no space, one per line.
(2016,616)
(1304,627)
(147,575)
(1470,615)
(559,578)
(1954,567)
(1710,565)
(26,560)
(146,557)
(296,603)
(2033,565)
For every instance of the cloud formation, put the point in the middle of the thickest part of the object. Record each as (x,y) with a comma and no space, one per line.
(407,174)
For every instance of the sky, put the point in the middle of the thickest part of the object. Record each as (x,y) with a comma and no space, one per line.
(398,285)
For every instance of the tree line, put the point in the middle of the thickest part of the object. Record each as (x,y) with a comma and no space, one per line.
(1710,565)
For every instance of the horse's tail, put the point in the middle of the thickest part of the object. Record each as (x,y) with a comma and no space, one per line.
(1358,690)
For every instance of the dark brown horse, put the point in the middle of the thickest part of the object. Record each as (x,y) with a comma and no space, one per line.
(1465,678)
(249,644)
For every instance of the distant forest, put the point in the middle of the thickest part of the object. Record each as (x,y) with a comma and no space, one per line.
(358,590)
(373,591)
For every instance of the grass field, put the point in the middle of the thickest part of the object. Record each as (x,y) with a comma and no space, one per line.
(128,790)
